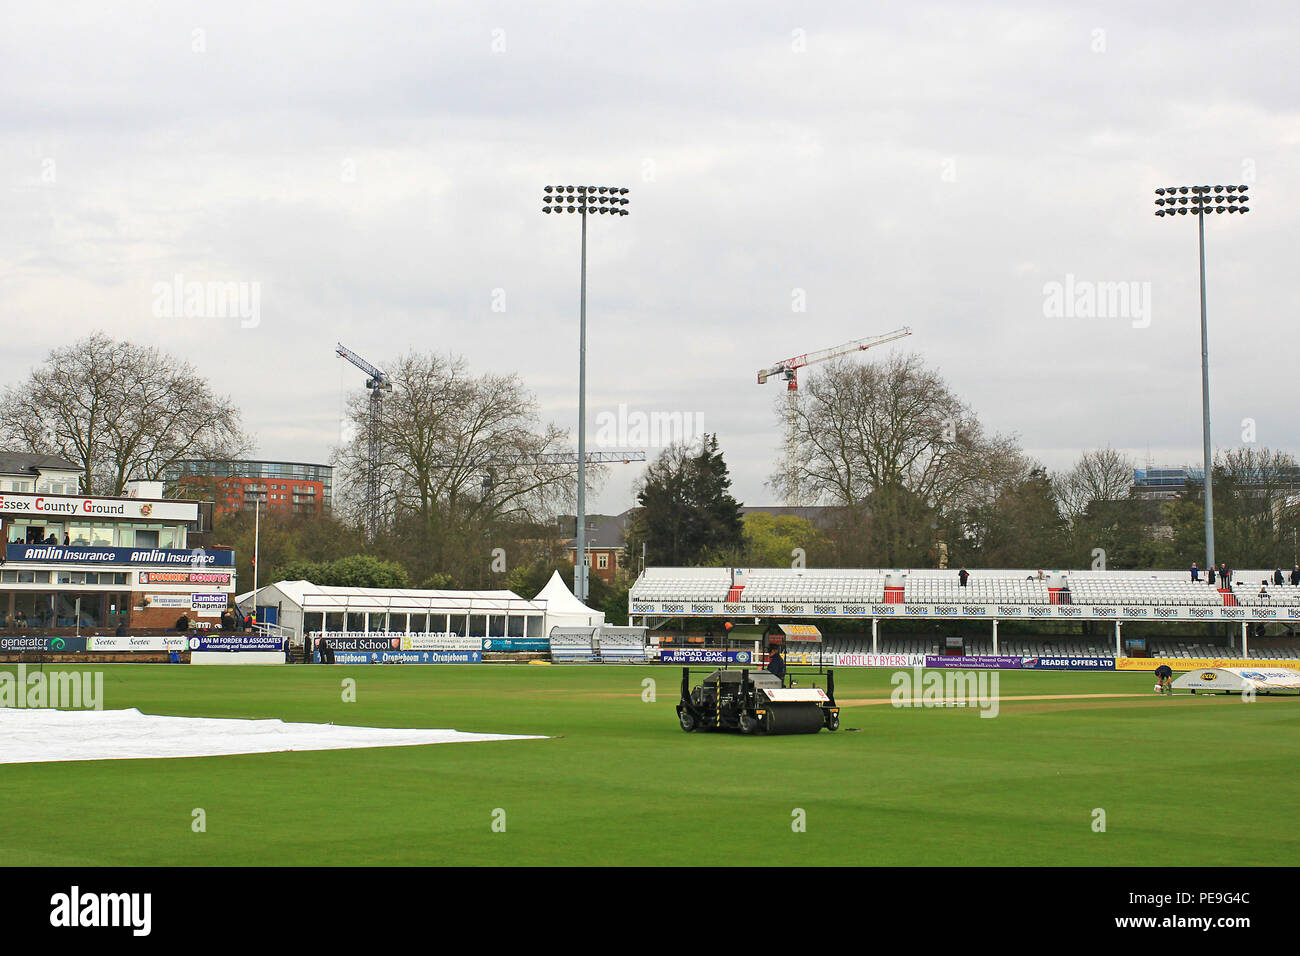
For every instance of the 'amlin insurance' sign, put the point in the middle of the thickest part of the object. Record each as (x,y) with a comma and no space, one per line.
(71,553)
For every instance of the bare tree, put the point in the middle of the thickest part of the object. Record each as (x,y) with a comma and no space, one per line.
(461,454)
(893,446)
(121,411)
(1256,506)
(1102,474)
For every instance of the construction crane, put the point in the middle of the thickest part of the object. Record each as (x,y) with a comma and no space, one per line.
(489,462)
(789,368)
(550,458)
(378,383)
(562,458)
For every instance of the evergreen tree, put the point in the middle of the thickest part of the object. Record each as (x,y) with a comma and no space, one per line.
(1026,529)
(686,508)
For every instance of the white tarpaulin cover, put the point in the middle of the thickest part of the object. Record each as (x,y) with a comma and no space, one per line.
(1238,679)
(31,735)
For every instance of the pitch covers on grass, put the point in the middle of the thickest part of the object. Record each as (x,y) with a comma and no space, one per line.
(39,736)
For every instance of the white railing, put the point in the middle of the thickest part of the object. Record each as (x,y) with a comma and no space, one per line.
(273,630)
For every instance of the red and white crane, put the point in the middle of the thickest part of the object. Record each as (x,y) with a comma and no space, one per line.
(788,369)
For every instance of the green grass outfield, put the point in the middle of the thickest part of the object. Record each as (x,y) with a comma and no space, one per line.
(1184,780)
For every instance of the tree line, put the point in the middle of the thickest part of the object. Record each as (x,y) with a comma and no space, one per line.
(901,471)
(904,474)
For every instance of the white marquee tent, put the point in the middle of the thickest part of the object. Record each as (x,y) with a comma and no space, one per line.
(299,606)
(565,610)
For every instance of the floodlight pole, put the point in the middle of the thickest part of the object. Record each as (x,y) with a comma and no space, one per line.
(580,559)
(1201,201)
(609,200)
(257,540)
(1205,409)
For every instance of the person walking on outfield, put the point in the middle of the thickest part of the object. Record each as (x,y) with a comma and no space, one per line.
(1164,679)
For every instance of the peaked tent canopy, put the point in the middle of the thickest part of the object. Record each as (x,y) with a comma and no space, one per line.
(565,610)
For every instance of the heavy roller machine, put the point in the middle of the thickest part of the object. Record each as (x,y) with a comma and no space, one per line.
(755,702)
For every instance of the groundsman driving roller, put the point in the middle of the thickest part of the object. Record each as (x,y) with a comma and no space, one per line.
(754,702)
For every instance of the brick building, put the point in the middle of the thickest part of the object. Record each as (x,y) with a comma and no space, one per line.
(281,487)
(605,543)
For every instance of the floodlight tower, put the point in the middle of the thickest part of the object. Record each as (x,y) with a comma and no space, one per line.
(1202,201)
(600,200)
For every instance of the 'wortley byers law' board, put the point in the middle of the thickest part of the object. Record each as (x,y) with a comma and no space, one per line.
(1240,680)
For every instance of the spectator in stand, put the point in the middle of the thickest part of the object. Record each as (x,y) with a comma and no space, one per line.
(1277,576)
(66,539)
(963,574)
(121,630)
(1209,575)
(1196,572)
(1263,589)
(1295,576)
(182,624)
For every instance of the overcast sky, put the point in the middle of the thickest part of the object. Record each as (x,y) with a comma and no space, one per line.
(374,172)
